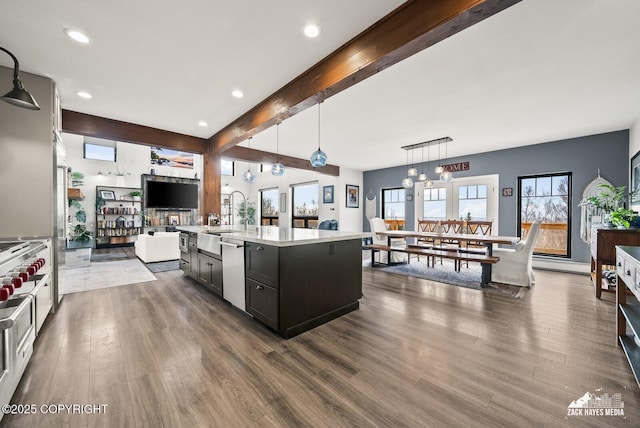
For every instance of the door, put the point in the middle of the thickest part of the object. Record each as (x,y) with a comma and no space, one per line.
(60,243)
(469,198)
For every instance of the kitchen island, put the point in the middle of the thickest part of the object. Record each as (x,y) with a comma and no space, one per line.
(296,279)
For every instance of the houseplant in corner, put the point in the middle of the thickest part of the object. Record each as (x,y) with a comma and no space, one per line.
(622,218)
(609,200)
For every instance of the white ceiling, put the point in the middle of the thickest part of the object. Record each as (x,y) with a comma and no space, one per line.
(539,71)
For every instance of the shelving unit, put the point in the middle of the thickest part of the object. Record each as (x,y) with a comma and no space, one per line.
(118,220)
(628,307)
(226,210)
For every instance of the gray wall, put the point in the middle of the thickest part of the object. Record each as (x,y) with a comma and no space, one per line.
(581,156)
(27,150)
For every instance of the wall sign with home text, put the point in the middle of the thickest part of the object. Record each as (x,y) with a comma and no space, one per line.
(456,167)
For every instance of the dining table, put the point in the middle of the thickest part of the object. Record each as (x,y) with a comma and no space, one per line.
(487,240)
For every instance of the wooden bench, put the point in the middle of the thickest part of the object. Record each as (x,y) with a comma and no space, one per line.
(457,255)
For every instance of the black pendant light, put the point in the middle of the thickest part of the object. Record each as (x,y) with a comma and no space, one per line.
(19,96)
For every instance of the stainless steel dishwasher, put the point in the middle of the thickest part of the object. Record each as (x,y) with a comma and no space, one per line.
(233,272)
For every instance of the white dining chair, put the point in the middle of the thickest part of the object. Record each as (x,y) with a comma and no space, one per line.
(378,225)
(515,265)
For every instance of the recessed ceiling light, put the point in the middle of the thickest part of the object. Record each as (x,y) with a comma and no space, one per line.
(202,123)
(311,31)
(76,35)
(237,93)
(85,95)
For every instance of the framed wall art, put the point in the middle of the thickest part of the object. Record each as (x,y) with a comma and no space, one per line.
(635,182)
(353,196)
(107,195)
(327,194)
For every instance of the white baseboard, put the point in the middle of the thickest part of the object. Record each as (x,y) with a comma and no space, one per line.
(562,266)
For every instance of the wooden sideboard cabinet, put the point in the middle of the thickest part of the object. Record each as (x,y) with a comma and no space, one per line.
(603,249)
(627,307)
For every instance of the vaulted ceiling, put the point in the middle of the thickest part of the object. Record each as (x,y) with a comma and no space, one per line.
(539,71)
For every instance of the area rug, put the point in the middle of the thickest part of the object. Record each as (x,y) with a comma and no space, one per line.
(467,277)
(164,266)
(106,274)
(108,256)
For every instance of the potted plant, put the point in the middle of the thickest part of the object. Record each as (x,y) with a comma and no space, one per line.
(80,234)
(622,218)
(76,179)
(136,195)
(247,212)
(608,198)
(611,201)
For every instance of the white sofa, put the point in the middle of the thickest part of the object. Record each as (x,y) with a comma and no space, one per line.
(160,247)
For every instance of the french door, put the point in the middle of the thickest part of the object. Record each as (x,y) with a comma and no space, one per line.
(469,198)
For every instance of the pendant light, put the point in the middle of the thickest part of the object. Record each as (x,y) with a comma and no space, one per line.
(407,183)
(439,169)
(277,168)
(412,171)
(446,175)
(248,176)
(429,182)
(318,158)
(18,96)
(422,176)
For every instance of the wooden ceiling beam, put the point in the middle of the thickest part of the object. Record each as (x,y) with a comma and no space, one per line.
(411,28)
(101,127)
(259,156)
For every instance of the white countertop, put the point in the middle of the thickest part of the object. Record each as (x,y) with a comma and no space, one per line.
(206,229)
(277,236)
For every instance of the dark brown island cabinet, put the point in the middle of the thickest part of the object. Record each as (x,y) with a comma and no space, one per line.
(292,289)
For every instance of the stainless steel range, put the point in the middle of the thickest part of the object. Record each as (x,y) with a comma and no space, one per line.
(25,300)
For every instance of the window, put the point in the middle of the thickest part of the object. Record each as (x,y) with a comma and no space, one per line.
(435,204)
(547,198)
(393,204)
(304,202)
(472,202)
(226,167)
(466,198)
(99,152)
(393,207)
(269,207)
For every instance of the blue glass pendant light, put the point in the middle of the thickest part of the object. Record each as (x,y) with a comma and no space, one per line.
(248,176)
(318,158)
(277,168)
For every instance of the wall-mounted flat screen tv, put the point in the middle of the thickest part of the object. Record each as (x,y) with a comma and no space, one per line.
(171,195)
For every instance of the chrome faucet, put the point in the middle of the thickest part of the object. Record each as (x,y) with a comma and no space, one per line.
(246,208)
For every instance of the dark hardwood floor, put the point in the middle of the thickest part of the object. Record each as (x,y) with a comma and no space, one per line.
(417,353)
